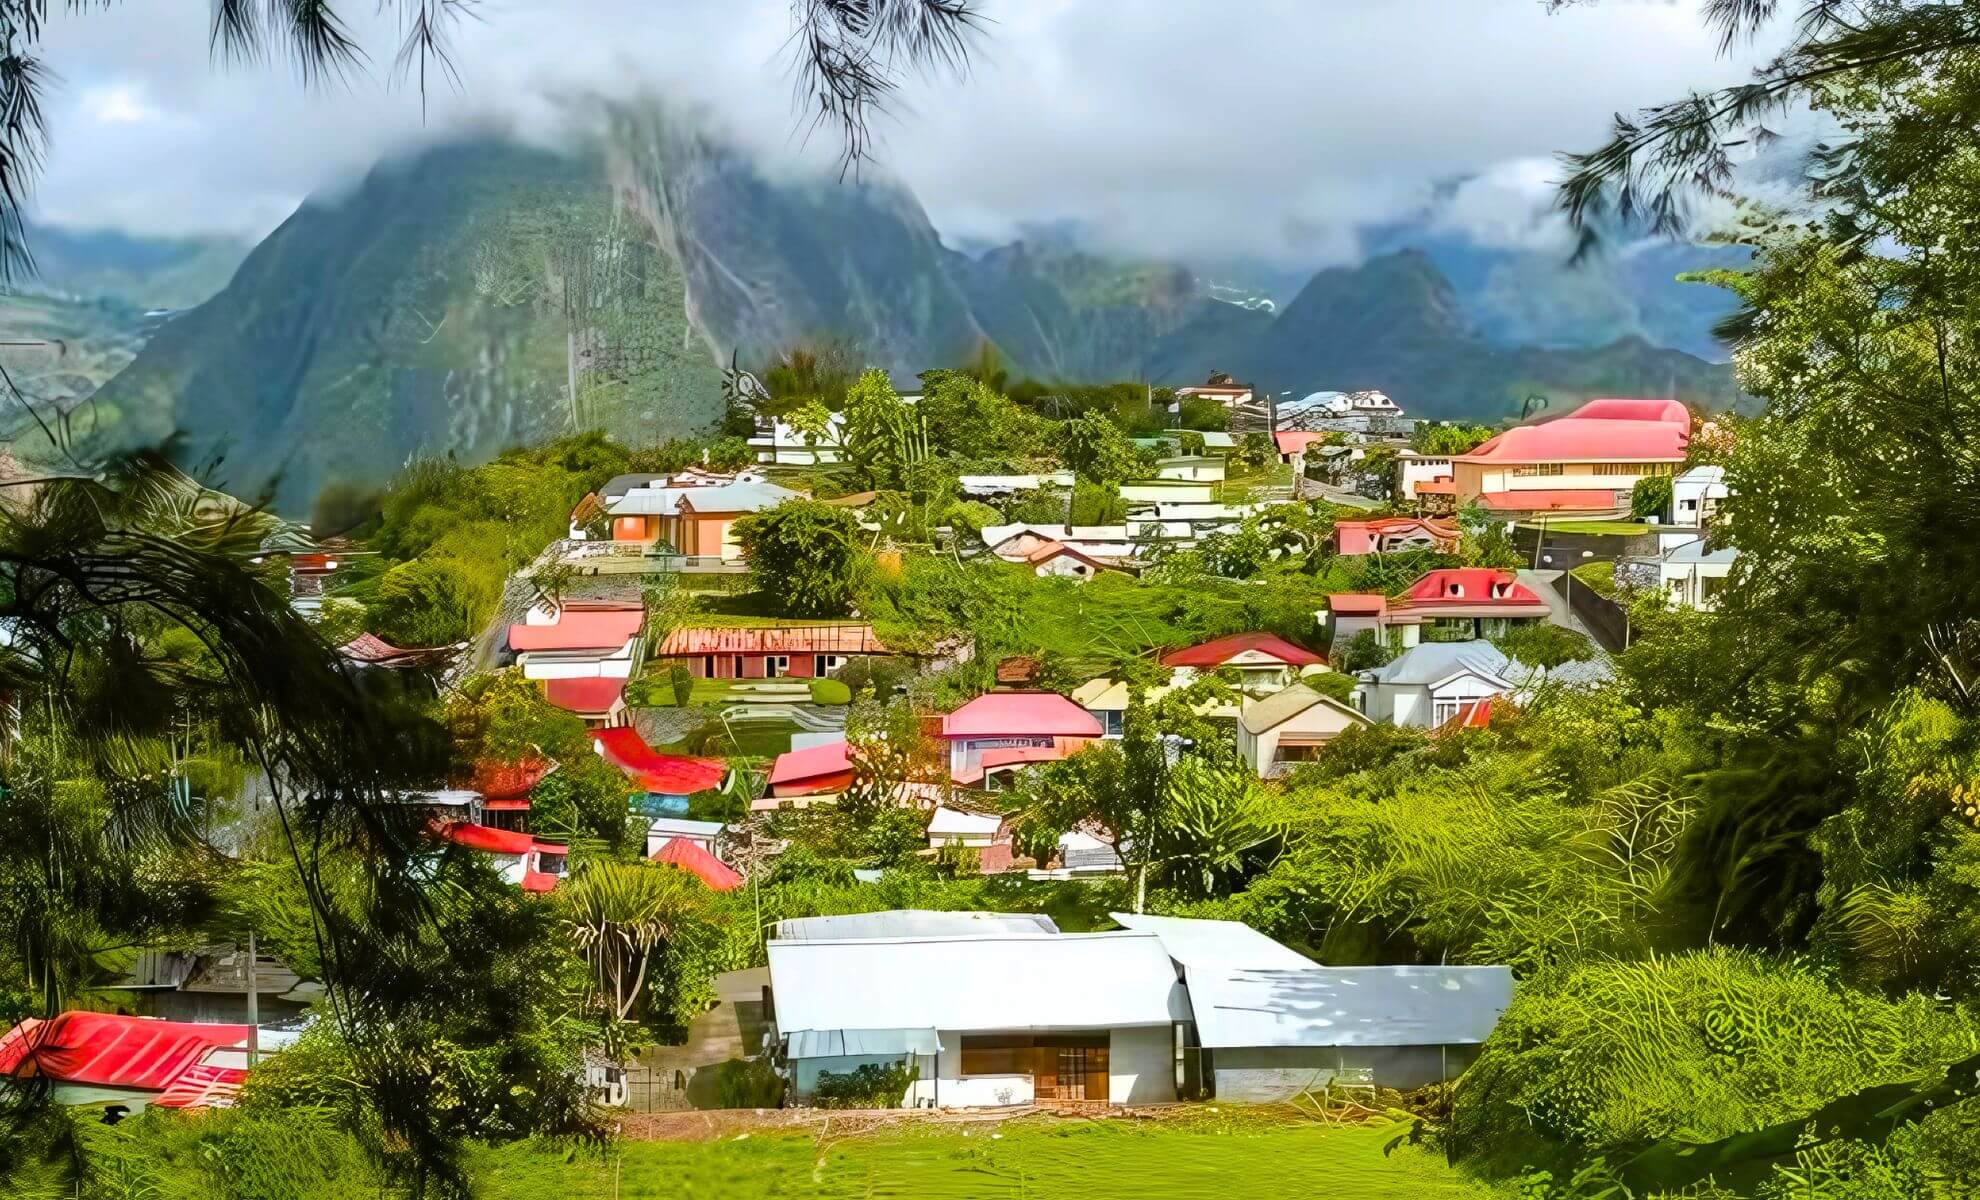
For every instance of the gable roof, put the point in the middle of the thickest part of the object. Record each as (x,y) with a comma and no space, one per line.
(590,695)
(846,638)
(1470,585)
(1349,1006)
(1214,945)
(581,628)
(664,774)
(1020,714)
(497,781)
(488,838)
(1296,441)
(812,762)
(1357,604)
(1287,703)
(1005,982)
(690,857)
(1580,439)
(111,1050)
(1218,651)
(1434,662)
(1615,409)
(744,495)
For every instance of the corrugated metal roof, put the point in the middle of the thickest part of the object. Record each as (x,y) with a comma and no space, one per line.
(1434,662)
(1215,945)
(1349,1006)
(910,922)
(780,639)
(1012,982)
(835,1043)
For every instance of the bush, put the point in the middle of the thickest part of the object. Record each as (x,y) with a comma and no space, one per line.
(1361,652)
(1651,497)
(869,1085)
(1543,644)
(730,454)
(749,1083)
(804,555)
(1097,504)
(681,680)
(830,691)
(425,603)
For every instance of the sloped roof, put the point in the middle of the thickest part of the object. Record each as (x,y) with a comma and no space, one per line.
(1581,439)
(1294,442)
(509,781)
(370,648)
(812,762)
(1214,945)
(909,923)
(488,838)
(1218,651)
(751,495)
(1008,982)
(848,638)
(1471,585)
(1357,604)
(665,774)
(1434,662)
(589,695)
(589,628)
(111,1050)
(690,857)
(955,822)
(1612,409)
(1020,714)
(1287,703)
(1349,1006)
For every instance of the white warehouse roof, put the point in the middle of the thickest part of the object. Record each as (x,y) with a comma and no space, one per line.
(1003,982)
(909,923)
(1349,1006)
(1215,945)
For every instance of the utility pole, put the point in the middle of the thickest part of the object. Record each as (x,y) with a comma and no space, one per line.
(254,1006)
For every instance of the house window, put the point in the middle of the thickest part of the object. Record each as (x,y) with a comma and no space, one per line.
(1110,721)
(997,1054)
(738,664)
(1540,469)
(776,666)
(1625,469)
(1444,710)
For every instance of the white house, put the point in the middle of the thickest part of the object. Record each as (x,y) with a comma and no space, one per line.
(1289,727)
(1696,494)
(1430,683)
(578,640)
(1199,468)
(1693,574)
(1416,470)
(1168,491)
(1368,403)
(1006,1017)
(956,827)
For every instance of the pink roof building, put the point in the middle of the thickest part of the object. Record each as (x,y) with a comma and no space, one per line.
(690,857)
(812,771)
(998,721)
(1484,599)
(580,627)
(599,699)
(1588,460)
(1388,535)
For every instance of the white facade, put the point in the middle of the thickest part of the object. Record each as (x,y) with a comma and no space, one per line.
(1695,496)
(1205,468)
(580,664)
(1693,574)
(1419,469)
(1431,683)
(786,446)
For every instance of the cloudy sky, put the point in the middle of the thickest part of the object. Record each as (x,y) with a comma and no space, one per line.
(1271,129)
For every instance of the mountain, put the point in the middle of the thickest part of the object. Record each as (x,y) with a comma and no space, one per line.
(1396,323)
(146,273)
(482,294)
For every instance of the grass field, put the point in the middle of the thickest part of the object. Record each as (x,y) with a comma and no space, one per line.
(1618,528)
(1111,1160)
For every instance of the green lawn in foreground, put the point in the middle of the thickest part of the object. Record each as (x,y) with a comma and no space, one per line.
(1619,528)
(1106,1160)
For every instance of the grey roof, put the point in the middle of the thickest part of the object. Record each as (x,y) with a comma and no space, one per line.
(1701,551)
(1431,662)
(619,485)
(1283,705)
(1215,945)
(910,922)
(1587,672)
(744,495)
(1012,982)
(1349,1006)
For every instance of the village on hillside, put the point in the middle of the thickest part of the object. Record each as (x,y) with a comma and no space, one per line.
(1044,671)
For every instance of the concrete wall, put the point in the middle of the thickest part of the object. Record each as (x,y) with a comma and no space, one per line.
(1141,1065)
(1268,1073)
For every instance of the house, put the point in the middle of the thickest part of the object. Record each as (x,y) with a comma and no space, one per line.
(663,781)
(1289,727)
(696,521)
(1221,388)
(1168,491)
(600,700)
(980,486)
(1057,560)
(1263,661)
(769,652)
(1429,684)
(532,865)
(1267,1024)
(704,834)
(1452,604)
(960,827)
(1367,403)
(213,982)
(505,789)
(694,857)
(786,445)
(1294,443)
(1170,441)
(996,723)
(1197,468)
(1391,535)
(1587,461)
(1696,495)
(987,1017)
(1423,477)
(1694,574)
(111,1060)
(368,651)
(578,639)
(1016,543)
(1081,854)
(812,775)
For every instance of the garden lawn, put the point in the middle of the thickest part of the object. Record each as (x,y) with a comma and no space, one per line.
(1618,528)
(1230,1157)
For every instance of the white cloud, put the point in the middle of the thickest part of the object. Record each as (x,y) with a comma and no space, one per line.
(1264,128)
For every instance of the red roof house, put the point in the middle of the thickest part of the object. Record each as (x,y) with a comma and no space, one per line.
(656,773)
(596,698)
(690,857)
(108,1050)
(537,865)
(812,771)
(1293,443)
(1486,599)
(797,651)
(506,786)
(1387,535)
(580,627)
(1605,446)
(999,721)
(1670,411)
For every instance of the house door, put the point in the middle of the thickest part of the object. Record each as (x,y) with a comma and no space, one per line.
(1071,1068)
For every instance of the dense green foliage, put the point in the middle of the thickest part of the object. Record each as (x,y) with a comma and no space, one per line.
(804,555)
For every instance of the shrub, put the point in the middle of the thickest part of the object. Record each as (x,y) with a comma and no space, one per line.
(1543,644)
(1097,504)
(749,1083)
(425,603)
(1651,497)
(681,680)
(730,454)
(804,556)
(1362,651)
(870,1085)
(830,691)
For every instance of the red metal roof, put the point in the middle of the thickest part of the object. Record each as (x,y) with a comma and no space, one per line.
(1296,442)
(487,837)
(370,648)
(592,696)
(509,781)
(1020,714)
(1217,652)
(1471,586)
(203,1086)
(1440,486)
(1578,439)
(1672,411)
(110,1050)
(812,762)
(780,639)
(1551,500)
(580,629)
(689,856)
(1363,537)
(664,774)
